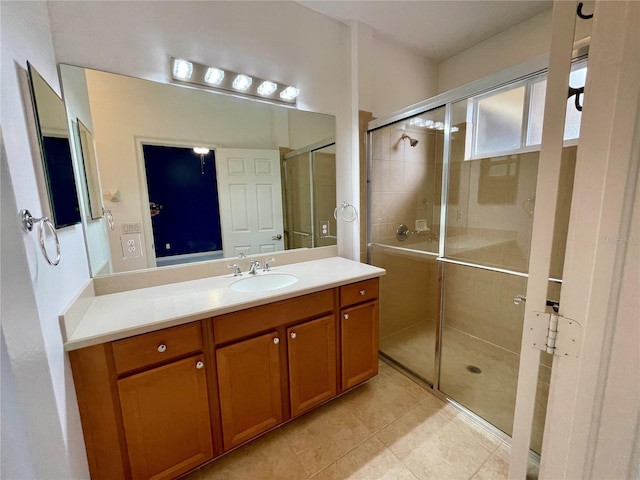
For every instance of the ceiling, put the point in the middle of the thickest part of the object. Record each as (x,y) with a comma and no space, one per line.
(435,29)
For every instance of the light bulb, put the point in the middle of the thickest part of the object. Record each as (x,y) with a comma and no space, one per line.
(289,93)
(182,69)
(214,76)
(267,88)
(242,82)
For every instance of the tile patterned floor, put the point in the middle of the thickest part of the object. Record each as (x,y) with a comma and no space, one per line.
(390,428)
(491,394)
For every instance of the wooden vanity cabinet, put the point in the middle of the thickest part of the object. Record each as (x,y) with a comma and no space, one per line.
(249,386)
(311,353)
(358,332)
(157,405)
(144,404)
(165,414)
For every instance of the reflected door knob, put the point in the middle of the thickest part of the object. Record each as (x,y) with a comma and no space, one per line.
(277,237)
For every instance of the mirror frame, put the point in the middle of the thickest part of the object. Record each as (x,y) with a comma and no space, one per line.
(87,155)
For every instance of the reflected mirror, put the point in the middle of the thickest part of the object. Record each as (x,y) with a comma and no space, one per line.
(192,175)
(53,136)
(87,155)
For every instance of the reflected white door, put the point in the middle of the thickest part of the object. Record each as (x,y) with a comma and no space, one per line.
(250,194)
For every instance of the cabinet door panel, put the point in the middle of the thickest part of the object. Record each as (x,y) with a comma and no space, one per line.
(359,344)
(312,363)
(165,412)
(249,384)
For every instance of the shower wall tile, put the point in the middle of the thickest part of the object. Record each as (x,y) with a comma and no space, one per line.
(408,292)
(480,303)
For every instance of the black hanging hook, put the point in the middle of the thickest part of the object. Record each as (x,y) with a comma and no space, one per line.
(582,15)
(577,92)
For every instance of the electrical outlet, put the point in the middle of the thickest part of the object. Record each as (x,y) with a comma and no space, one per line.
(131,245)
(324,228)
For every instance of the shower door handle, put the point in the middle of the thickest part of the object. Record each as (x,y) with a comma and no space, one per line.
(519,299)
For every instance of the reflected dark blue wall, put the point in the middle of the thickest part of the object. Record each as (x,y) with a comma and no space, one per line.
(61,181)
(189,217)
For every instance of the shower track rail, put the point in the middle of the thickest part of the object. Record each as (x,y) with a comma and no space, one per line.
(438,258)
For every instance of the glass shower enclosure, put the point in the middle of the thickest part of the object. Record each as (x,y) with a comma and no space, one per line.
(451,198)
(309,184)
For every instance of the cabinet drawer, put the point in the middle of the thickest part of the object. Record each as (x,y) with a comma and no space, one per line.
(150,348)
(359,292)
(233,326)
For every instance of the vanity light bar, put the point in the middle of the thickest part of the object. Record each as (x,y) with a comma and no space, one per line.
(189,72)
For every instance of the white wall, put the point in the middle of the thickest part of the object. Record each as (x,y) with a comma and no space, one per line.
(516,45)
(34,293)
(524,41)
(391,77)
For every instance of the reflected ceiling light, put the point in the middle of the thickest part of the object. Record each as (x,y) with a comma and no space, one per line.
(289,93)
(242,82)
(182,69)
(214,76)
(267,88)
(201,150)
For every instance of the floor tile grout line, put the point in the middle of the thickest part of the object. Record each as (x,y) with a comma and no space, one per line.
(344,454)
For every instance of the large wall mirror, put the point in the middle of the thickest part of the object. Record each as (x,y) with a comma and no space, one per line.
(53,136)
(192,175)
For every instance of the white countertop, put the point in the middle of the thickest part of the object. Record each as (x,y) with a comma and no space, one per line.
(120,315)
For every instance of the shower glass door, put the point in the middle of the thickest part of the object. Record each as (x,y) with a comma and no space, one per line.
(309,193)
(451,220)
(490,203)
(405,191)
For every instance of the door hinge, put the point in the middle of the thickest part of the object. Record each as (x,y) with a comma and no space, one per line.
(554,334)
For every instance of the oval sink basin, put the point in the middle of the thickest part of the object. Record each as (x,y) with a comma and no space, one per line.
(263,282)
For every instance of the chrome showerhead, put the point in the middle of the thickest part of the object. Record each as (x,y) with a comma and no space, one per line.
(412,141)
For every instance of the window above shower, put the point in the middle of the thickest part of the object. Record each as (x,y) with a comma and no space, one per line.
(509,120)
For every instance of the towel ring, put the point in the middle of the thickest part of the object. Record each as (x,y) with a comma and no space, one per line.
(348,212)
(28,220)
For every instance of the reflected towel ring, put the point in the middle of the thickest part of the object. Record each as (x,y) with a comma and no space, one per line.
(348,212)
(27,221)
(109,216)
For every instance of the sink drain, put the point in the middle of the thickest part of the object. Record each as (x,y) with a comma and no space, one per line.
(474,369)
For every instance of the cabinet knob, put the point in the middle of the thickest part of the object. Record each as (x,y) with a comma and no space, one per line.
(293,335)
(346,316)
(362,292)
(276,340)
(199,365)
(162,348)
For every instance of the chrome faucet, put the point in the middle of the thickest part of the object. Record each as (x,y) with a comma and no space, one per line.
(253,269)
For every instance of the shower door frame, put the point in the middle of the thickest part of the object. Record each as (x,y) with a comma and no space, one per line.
(518,74)
(602,201)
